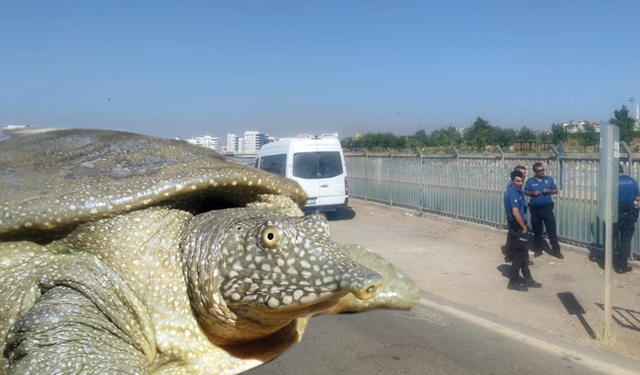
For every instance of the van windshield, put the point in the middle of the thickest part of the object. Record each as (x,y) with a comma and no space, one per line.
(314,165)
(274,164)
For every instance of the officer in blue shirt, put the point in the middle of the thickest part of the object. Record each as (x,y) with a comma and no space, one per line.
(506,250)
(627,216)
(540,188)
(516,209)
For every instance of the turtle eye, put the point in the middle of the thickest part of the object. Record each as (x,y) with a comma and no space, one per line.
(271,237)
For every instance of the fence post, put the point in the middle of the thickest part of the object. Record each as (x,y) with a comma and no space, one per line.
(390,177)
(629,153)
(421,179)
(366,180)
(457,182)
(504,166)
(502,156)
(559,161)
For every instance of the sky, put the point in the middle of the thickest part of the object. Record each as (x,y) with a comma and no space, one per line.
(190,68)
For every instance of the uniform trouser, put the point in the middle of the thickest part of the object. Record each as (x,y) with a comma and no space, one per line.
(625,226)
(520,253)
(540,215)
(512,225)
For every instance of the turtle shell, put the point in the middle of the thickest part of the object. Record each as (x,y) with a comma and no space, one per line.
(52,179)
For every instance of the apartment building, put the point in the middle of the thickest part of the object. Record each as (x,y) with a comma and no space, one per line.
(253,140)
(206,141)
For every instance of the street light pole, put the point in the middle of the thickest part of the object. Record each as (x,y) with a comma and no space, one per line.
(570,111)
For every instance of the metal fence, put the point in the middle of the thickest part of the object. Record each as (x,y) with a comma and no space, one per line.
(471,188)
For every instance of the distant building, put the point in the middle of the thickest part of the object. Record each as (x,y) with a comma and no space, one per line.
(234,144)
(9,127)
(580,126)
(249,144)
(594,125)
(253,140)
(461,129)
(206,141)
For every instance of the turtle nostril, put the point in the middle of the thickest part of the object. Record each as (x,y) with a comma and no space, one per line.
(362,282)
(370,291)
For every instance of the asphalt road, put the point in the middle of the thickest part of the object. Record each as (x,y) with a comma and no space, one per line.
(421,341)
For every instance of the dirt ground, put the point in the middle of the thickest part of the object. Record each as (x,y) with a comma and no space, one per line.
(462,262)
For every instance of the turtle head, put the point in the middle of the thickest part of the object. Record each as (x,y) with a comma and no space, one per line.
(251,271)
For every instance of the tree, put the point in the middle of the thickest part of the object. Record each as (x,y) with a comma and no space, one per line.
(479,134)
(624,122)
(400,143)
(558,134)
(525,134)
(590,137)
(419,139)
(504,137)
(446,137)
(348,143)
(544,137)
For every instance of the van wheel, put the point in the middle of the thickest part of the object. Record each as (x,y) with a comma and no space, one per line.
(331,214)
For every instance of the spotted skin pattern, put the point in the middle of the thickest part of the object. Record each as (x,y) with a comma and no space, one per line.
(267,269)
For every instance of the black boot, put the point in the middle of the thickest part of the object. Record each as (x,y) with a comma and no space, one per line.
(516,285)
(622,268)
(531,283)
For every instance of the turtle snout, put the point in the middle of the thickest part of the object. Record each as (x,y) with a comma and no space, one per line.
(362,282)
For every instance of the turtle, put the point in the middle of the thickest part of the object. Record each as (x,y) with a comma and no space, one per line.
(123,253)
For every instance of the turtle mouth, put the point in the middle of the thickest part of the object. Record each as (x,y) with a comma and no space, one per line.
(303,309)
(262,311)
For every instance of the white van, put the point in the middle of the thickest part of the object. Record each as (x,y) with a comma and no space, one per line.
(316,163)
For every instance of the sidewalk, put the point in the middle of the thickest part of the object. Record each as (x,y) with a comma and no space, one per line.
(462,262)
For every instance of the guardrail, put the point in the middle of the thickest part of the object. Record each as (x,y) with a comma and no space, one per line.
(471,188)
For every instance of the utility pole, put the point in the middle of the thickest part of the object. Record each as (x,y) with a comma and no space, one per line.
(570,111)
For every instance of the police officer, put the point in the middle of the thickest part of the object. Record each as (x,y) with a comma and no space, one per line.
(627,216)
(515,208)
(508,247)
(540,188)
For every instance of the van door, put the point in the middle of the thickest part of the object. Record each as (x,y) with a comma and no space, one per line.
(331,178)
(305,171)
(320,174)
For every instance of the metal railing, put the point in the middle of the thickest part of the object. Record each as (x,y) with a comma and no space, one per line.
(471,187)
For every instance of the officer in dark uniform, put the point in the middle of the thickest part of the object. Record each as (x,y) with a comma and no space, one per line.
(628,194)
(508,247)
(540,188)
(516,209)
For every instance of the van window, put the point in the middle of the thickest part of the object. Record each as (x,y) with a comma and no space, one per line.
(314,165)
(274,164)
